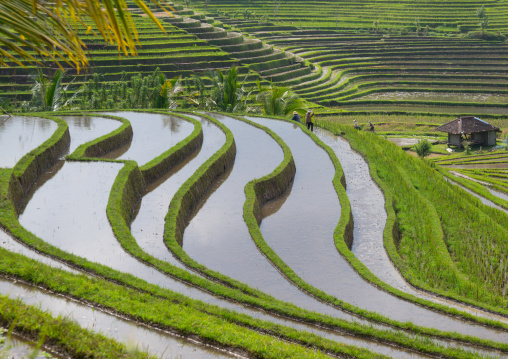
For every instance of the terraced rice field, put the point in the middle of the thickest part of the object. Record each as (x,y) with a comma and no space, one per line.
(441,16)
(225,236)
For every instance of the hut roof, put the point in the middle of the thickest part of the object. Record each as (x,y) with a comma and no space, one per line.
(467,124)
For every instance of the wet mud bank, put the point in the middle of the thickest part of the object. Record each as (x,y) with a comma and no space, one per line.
(157,342)
(311,226)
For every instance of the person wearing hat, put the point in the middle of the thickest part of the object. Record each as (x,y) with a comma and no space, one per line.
(308,120)
(296,117)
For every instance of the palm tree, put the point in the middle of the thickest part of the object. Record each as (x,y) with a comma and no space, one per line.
(48,94)
(278,101)
(228,94)
(49,29)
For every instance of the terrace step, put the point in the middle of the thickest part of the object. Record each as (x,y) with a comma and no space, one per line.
(247,45)
(293,75)
(233,38)
(277,70)
(276,55)
(217,33)
(204,28)
(184,12)
(188,23)
(264,51)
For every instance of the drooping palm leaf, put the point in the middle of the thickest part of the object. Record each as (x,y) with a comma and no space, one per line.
(48,28)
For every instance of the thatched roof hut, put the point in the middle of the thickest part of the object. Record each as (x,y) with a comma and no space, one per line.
(481,132)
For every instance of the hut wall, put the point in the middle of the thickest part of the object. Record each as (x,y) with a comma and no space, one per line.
(479,138)
(491,138)
(453,139)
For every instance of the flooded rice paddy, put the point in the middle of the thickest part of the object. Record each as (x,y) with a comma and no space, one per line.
(21,134)
(301,233)
(68,210)
(83,129)
(133,335)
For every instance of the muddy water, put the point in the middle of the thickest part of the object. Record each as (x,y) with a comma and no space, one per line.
(301,233)
(54,216)
(498,194)
(156,342)
(148,225)
(21,134)
(17,348)
(87,128)
(153,135)
(11,245)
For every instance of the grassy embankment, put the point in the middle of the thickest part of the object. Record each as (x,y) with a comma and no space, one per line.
(433,252)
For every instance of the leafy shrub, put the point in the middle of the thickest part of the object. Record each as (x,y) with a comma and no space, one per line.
(489,36)
(423,148)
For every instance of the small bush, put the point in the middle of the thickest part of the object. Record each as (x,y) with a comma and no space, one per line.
(489,36)
(422,148)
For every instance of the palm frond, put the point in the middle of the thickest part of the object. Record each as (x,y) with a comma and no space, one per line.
(48,28)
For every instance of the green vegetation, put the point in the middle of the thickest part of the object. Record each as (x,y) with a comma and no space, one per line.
(432,250)
(278,101)
(42,277)
(423,148)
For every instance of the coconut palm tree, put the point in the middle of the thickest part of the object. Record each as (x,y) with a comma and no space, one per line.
(278,101)
(46,29)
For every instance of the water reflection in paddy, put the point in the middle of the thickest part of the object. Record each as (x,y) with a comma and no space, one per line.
(156,342)
(148,225)
(217,236)
(301,233)
(68,211)
(21,134)
(83,129)
(153,134)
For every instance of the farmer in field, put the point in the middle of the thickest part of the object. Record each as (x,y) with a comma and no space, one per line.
(308,120)
(357,126)
(296,117)
(371,126)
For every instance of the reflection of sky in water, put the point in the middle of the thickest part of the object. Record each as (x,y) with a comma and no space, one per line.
(301,233)
(21,134)
(85,128)
(153,134)
(155,342)
(148,226)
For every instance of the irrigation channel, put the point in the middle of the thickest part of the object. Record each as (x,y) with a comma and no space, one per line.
(52,215)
